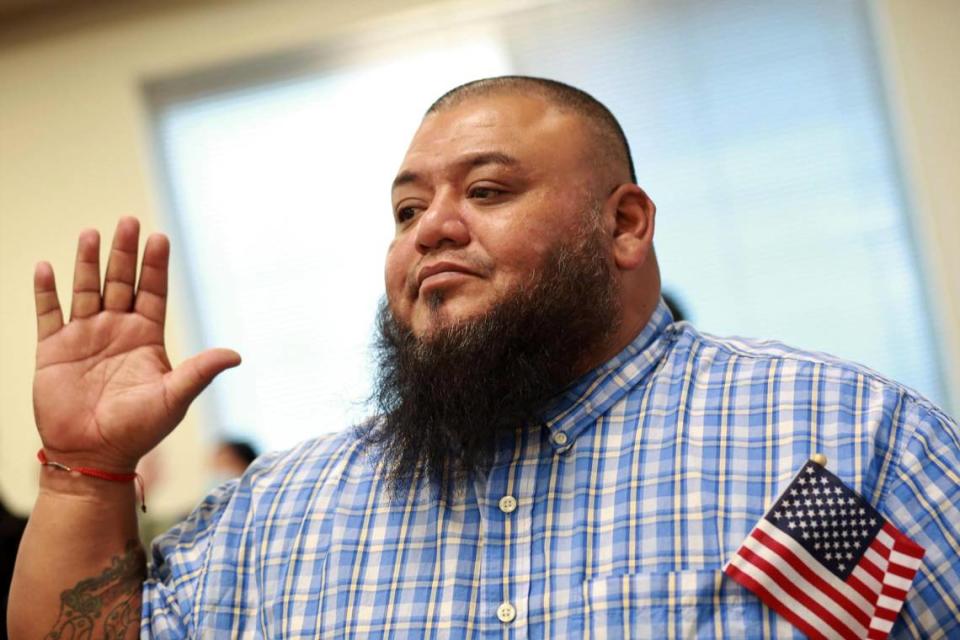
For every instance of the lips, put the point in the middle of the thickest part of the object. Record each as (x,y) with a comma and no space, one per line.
(438,268)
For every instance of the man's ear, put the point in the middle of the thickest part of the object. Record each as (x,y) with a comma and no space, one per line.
(633,213)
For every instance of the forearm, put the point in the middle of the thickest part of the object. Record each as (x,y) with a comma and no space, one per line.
(80,565)
(104,394)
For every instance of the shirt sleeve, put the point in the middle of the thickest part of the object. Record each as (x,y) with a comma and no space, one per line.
(176,566)
(921,497)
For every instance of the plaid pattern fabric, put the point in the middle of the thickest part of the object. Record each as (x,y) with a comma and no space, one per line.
(611,519)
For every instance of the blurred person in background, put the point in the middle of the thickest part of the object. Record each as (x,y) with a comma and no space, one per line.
(552,455)
(230,459)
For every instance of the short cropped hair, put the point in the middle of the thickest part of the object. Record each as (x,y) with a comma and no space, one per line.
(612,141)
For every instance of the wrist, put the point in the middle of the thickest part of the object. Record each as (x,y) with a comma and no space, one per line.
(82,481)
(57,483)
(88,460)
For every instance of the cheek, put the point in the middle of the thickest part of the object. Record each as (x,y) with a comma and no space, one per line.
(395,270)
(523,253)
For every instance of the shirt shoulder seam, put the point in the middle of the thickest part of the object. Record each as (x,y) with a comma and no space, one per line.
(757,351)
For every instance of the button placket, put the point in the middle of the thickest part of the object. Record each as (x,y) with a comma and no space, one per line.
(517,508)
(498,504)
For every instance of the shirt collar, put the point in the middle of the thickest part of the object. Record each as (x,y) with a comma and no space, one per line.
(579,405)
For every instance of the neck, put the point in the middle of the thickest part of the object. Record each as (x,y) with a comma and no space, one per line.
(634,316)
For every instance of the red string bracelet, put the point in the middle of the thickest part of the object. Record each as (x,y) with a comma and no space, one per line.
(97,473)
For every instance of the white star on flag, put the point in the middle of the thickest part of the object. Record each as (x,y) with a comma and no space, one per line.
(827,594)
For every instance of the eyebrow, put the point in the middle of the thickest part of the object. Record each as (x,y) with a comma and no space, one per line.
(471,161)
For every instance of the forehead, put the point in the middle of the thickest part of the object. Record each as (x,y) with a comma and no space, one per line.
(531,130)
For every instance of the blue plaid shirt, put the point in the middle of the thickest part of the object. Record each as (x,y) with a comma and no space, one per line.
(611,519)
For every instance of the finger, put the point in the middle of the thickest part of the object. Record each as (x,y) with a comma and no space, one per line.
(122,266)
(192,376)
(49,314)
(152,290)
(86,276)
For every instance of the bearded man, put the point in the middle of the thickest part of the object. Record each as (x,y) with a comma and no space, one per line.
(552,457)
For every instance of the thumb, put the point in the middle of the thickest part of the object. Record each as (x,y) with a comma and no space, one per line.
(194,374)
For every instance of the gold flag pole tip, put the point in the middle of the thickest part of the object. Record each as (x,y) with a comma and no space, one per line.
(820,459)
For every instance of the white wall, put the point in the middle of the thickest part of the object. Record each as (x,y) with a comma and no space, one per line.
(920,50)
(74,152)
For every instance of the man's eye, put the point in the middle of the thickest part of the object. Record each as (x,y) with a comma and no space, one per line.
(482,193)
(405,214)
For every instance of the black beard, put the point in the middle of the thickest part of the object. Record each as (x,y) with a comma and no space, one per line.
(444,400)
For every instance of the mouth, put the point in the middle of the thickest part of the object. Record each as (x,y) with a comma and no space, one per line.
(441,272)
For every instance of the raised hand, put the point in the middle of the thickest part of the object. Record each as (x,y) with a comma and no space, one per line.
(104,391)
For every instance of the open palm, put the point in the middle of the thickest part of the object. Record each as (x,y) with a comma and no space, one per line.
(104,391)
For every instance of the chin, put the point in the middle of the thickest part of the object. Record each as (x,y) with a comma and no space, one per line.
(447,313)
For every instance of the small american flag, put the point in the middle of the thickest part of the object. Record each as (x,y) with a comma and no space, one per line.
(825,560)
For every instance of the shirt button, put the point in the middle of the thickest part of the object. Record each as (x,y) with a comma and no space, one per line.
(559,438)
(508,504)
(506,612)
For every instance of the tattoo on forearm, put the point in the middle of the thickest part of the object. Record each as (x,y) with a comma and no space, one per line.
(112,597)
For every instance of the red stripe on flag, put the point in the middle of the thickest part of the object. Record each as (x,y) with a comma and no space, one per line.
(875,572)
(771,601)
(902,571)
(893,592)
(803,597)
(886,614)
(902,543)
(882,550)
(857,585)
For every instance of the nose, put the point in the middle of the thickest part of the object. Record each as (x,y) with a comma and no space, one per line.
(441,226)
